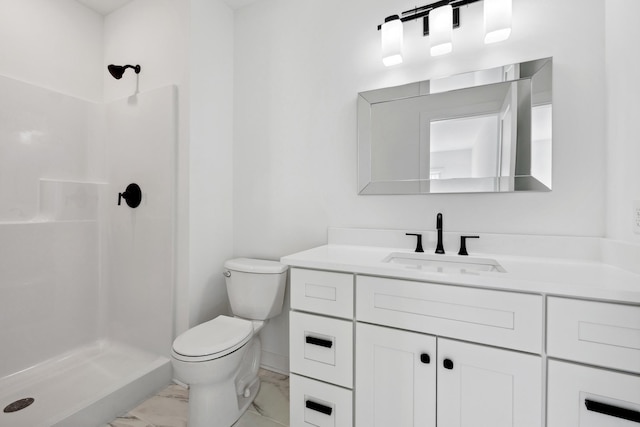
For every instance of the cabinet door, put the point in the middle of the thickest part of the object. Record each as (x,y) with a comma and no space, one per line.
(485,386)
(395,378)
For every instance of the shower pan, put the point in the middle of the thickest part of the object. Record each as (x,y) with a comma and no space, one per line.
(86,286)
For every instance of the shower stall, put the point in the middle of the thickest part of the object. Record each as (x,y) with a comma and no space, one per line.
(86,284)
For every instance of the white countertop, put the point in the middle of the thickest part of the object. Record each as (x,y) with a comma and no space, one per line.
(582,278)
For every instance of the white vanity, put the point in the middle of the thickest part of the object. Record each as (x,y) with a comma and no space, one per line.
(381,336)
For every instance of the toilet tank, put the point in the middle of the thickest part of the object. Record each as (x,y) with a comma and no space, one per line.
(255,287)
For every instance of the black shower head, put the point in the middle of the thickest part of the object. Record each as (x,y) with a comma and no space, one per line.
(118,70)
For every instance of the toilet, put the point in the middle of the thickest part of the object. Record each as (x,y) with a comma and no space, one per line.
(219,359)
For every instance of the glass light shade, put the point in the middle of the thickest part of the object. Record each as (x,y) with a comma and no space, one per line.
(441,30)
(392,42)
(497,20)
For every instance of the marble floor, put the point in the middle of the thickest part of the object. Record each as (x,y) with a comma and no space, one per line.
(169,407)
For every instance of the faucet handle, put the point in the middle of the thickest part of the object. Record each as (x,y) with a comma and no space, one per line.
(463,244)
(419,242)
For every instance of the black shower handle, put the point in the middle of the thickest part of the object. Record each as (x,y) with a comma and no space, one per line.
(132,195)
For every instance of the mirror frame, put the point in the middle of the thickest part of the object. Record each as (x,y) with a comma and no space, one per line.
(530,72)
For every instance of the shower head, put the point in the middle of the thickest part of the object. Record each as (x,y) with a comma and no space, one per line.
(118,70)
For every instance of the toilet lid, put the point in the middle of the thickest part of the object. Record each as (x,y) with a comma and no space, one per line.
(215,338)
(248,265)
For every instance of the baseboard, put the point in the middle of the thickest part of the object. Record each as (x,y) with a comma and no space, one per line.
(274,362)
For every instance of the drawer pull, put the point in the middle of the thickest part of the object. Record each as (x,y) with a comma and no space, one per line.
(319,341)
(315,406)
(614,411)
(424,358)
(447,363)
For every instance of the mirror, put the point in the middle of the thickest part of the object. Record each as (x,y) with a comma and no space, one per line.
(483,131)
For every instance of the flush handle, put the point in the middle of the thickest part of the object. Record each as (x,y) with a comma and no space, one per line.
(226,273)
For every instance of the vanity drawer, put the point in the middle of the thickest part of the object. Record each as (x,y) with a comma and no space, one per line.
(314,403)
(503,319)
(599,333)
(322,292)
(583,396)
(322,348)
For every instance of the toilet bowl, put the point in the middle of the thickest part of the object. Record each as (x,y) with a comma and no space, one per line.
(219,359)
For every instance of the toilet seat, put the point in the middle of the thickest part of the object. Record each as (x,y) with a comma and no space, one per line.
(213,339)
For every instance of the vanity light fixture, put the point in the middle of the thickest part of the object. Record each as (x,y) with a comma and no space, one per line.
(497,21)
(392,40)
(440,23)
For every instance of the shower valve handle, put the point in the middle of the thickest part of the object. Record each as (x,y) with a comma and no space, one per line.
(132,195)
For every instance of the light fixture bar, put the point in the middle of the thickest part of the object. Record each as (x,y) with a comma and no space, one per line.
(420,12)
(423,11)
(440,18)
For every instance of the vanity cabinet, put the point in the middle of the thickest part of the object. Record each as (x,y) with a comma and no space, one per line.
(371,351)
(399,375)
(407,378)
(321,348)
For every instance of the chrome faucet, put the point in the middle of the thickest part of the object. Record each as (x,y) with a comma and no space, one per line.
(439,247)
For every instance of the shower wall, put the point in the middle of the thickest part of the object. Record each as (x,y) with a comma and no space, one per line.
(141,135)
(49,229)
(76,268)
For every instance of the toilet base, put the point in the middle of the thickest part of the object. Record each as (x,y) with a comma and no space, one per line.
(203,412)
(217,400)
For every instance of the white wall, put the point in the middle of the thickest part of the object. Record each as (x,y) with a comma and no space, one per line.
(52,44)
(299,66)
(188,43)
(152,33)
(210,156)
(140,243)
(49,257)
(50,54)
(623,111)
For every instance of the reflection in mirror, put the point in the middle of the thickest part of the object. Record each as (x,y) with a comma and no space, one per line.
(485,131)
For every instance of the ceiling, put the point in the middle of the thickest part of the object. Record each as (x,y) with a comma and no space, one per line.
(105,7)
(237,4)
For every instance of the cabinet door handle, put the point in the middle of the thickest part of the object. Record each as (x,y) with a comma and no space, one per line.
(447,363)
(424,358)
(318,341)
(318,407)
(614,411)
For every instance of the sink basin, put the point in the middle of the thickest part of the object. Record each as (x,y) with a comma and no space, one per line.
(454,264)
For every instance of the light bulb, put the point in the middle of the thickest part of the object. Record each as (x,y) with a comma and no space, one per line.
(392,41)
(441,30)
(497,20)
